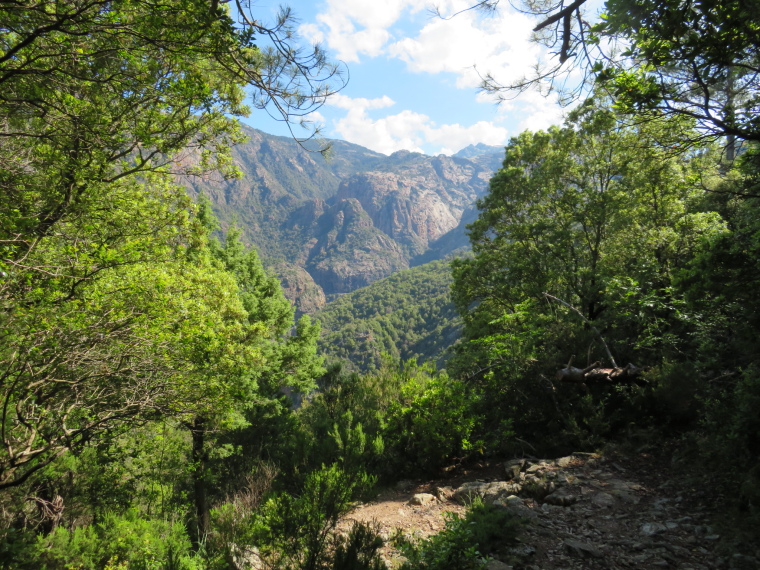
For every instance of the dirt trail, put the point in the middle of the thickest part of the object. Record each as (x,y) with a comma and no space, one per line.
(582,511)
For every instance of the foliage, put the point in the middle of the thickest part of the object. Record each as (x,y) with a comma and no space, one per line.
(298,532)
(691,59)
(403,419)
(113,346)
(695,59)
(119,541)
(110,309)
(601,216)
(465,542)
(434,421)
(407,315)
(358,550)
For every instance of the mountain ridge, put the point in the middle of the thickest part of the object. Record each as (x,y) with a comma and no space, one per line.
(329,227)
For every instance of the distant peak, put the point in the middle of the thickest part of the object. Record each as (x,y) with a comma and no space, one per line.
(479,149)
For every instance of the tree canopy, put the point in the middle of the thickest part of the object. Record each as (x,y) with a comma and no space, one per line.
(113,309)
(696,58)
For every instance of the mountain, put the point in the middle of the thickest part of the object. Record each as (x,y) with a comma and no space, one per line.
(483,153)
(331,226)
(407,315)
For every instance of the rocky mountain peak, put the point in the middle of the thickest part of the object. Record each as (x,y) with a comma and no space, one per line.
(351,219)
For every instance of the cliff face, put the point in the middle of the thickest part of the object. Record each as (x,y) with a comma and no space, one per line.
(417,199)
(332,226)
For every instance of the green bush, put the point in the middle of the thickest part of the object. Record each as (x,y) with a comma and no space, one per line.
(358,550)
(465,543)
(126,541)
(296,532)
(433,423)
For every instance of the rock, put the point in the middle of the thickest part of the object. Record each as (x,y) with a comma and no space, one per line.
(652,529)
(524,550)
(515,505)
(514,500)
(422,499)
(497,565)
(299,288)
(565,461)
(537,488)
(603,500)
(489,492)
(581,549)
(561,498)
(513,468)
(354,253)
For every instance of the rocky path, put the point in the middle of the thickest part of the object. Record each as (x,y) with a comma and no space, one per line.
(582,511)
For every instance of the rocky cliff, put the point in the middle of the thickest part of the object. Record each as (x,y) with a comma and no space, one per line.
(330,226)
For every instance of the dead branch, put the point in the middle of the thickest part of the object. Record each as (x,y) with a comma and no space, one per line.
(593,328)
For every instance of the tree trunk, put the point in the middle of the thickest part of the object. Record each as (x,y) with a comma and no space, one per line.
(200,491)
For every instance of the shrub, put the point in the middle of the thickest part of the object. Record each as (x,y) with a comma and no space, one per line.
(465,542)
(118,541)
(433,424)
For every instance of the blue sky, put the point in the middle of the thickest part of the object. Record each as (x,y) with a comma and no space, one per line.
(413,82)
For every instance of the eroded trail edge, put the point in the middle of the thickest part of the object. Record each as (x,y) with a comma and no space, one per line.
(581,511)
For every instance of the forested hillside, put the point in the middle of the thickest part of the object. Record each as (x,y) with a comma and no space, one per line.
(161,406)
(408,315)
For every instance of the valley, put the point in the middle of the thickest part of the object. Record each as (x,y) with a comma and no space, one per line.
(330,226)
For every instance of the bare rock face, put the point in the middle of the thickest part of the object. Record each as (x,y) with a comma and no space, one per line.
(404,209)
(298,286)
(350,252)
(418,201)
(348,221)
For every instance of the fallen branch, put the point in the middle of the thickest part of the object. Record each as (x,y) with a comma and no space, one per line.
(629,374)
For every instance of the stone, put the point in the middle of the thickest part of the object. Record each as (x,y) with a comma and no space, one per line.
(513,468)
(489,492)
(514,500)
(652,528)
(515,505)
(422,499)
(537,488)
(565,461)
(581,549)
(561,498)
(603,500)
(497,565)
(524,550)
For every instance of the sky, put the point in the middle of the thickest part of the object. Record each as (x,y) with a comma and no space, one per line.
(413,77)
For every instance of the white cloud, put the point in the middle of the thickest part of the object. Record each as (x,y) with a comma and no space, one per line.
(343,102)
(451,138)
(499,43)
(313,120)
(408,130)
(355,27)
(538,112)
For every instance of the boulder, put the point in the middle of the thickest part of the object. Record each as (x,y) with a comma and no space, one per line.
(422,499)
(581,549)
(489,492)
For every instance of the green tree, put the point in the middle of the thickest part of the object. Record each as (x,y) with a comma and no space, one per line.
(597,214)
(694,59)
(111,311)
(279,360)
